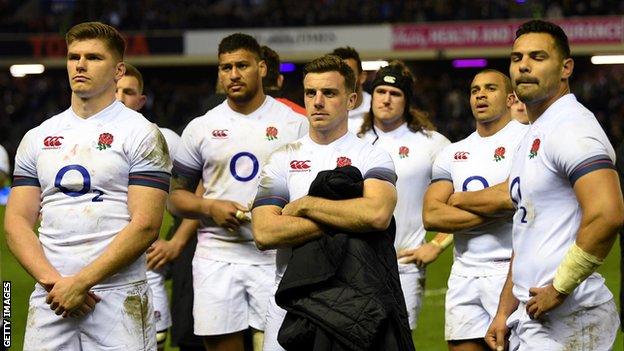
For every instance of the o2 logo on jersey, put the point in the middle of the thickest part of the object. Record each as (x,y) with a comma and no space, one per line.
(86,183)
(472,179)
(461,155)
(244,158)
(516,183)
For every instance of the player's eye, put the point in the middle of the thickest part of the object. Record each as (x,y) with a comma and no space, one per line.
(310,93)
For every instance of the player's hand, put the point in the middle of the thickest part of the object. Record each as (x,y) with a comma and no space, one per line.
(543,300)
(223,213)
(162,252)
(497,334)
(296,208)
(420,256)
(69,296)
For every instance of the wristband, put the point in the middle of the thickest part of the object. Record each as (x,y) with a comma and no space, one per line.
(576,266)
(444,244)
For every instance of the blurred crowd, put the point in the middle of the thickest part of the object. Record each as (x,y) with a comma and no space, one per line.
(59,15)
(175,96)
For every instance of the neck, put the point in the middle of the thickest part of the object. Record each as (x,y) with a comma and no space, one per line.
(249,106)
(87,107)
(486,129)
(536,109)
(388,126)
(325,137)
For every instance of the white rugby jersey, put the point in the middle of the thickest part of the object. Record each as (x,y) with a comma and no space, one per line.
(84,168)
(565,143)
(356,116)
(291,169)
(473,164)
(4,161)
(413,155)
(228,150)
(173,140)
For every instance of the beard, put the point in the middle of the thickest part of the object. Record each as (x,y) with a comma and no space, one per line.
(242,97)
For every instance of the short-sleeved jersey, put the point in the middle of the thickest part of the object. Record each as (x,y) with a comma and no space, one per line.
(292,168)
(4,161)
(228,150)
(413,155)
(84,168)
(473,164)
(356,116)
(565,143)
(173,141)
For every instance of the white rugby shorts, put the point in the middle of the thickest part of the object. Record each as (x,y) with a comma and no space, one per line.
(122,320)
(162,315)
(230,297)
(471,303)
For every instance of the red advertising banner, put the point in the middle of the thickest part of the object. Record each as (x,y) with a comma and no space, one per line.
(596,30)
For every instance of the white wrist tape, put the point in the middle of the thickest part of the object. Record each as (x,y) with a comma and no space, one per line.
(576,266)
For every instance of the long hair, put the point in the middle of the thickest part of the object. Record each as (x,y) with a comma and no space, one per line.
(417,120)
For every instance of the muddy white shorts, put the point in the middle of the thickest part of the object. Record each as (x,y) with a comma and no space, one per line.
(162,316)
(122,321)
(471,303)
(584,329)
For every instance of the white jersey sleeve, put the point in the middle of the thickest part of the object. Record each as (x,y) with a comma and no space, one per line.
(441,169)
(25,172)
(150,164)
(173,141)
(586,148)
(380,166)
(273,186)
(188,158)
(4,160)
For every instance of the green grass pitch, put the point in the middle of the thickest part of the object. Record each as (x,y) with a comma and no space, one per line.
(429,336)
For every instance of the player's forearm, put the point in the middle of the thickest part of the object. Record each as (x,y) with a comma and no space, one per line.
(354,215)
(440,217)
(507,303)
(186,230)
(129,244)
(492,201)
(186,204)
(597,234)
(23,243)
(279,231)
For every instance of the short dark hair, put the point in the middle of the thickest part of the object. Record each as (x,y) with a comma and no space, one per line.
(98,30)
(272,60)
(238,41)
(508,87)
(132,71)
(332,63)
(348,52)
(539,26)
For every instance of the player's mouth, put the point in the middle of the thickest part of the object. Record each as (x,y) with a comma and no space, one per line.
(482,107)
(526,80)
(80,78)
(236,87)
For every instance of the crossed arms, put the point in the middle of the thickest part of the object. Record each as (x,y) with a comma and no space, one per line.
(307,218)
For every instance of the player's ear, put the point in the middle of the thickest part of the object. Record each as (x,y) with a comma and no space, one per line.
(511,99)
(263,68)
(568,67)
(120,70)
(351,101)
(280,81)
(142,101)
